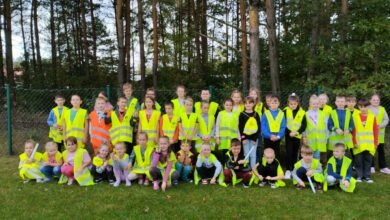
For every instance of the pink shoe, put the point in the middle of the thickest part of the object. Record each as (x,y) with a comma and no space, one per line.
(155,185)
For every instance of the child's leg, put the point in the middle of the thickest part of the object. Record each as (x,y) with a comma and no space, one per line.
(301,173)
(110,173)
(331,180)
(245,176)
(96,173)
(359,165)
(228,174)
(129,147)
(47,171)
(57,171)
(247,147)
(186,172)
(381,156)
(155,173)
(289,153)
(260,146)
(179,168)
(367,161)
(295,151)
(132,176)
(175,177)
(68,171)
(205,172)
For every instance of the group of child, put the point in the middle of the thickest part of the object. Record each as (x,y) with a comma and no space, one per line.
(201,144)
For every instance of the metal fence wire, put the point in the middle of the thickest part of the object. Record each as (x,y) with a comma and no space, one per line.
(31,108)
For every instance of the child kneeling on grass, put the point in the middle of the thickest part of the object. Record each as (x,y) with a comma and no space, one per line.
(339,170)
(208,167)
(306,168)
(236,168)
(102,165)
(52,161)
(121,164)
(268,170)
(29,163)
(76,162)
(163,165)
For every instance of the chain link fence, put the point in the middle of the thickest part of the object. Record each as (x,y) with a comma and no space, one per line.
(31,107)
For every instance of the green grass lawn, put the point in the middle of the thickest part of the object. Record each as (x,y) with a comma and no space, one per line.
(53,201)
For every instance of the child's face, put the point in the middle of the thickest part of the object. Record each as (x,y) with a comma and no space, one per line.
(71,146)
(205,95)
(180,92)
(307,156)
(122,103)
(59,101)
(323,100)
(274,104)
(249,106)
(269,157)
(363,109)
(51,151)
(236,149)
(253,94)
(338,152)
(236,98)
(293,105)
(268,101)
(206,152)
(228,106)
(351,104)
(163,144)
(168,109)
(100,104)
(28,148)
(142,140)
(189,106)
(314,104)
(128,92)
(151,93)
(340,103)
(185,147)
(104,151)
(205,108)
(375,101)
(75,101)
(148,103)
(120,149)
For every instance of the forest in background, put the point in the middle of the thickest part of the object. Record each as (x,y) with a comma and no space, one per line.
(274,45)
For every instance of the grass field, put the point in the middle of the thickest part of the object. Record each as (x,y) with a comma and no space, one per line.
(186,201)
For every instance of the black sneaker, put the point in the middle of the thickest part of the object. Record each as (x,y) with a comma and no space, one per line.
(98,180)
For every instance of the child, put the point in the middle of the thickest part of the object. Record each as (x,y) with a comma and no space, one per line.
(238,105)
(52,161)
(226,128)
(206,127)
(76,162)
(259,106)
(163,165)
(236,167)
(151,92)
(76,122)
(121,125)
(141,158)
(178,103)
(268,100)
(339,170)
(184,162)
(208,167)
(188,123)
(132,104)
(315,133)
(269,170)
(249,126)
(365,140)
(121,164)
(296,125)
(351,103)
(340,124)
(307,167)
(273,126)
(324,99)
(149,120)
(205,97)
(98,129)
(107,106)
(382,120)
(29,163)
(102,165)
(55,121)
(169,126)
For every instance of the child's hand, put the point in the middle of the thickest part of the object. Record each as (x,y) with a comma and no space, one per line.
(79,171)
(29,160)
(339,131)
(345,183)
(301,183)
(85,139)
(304,140)
(241,162)
(55,126)
(346,132)
(268,178)
(213,180)
(163,186)
(135,115)
(309,173)
(293,133)
(261,178)
(236,168)
(129,166)
(273,138)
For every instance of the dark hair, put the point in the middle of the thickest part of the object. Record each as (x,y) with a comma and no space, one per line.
(341,145)
(363,102)
(350,98)
(273,96)
(228,100)
(235,142)
(249,99)
(169,103)
(59,96)
(122,97)
(293,98)
(204,103)
(71,139)
(154,102)
(103,93)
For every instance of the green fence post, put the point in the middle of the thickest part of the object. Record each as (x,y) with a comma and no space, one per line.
(108,92)
(9,118)
(318,90)
(211,89)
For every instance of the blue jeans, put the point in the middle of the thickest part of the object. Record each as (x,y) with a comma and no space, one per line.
(247,147)
(50,171)
(184,170)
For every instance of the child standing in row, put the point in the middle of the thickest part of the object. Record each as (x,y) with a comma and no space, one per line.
(102,165)
(206,123)
(76,122)
(29,163)
(149,121)
(52,161)
(236,167)
(324,99)
(238,105)
(169,126)
(151,92)
(98,129)
(55,121)
(269,170)
(205,97)
(296,125)
(179,102)
(188,123)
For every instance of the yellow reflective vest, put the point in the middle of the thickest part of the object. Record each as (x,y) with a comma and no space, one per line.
(121,131)
(212,108)
(150,126)
(364,134)
(188,124)
(76,127)
(274,123)
(343,172)
(228,128)
(142,161)
(318,177)
(295,123)
(316,133)
(57,156)
(205,130)
(30,170)
(169,125)
(84,178)
(55,134)
(177,108)
(334,138)
(379,120)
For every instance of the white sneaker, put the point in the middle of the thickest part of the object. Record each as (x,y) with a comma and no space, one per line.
(26,181)
(128,183)
(287,175)
(385,170)
(368,180)
(273,186)
(46,180)
(70,182)
(39,180)
(372,169)
(116,184)
(262,184)
(359,180)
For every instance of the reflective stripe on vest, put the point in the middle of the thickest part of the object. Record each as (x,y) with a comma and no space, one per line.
(55,134)
(188,125)
(169,126)
(131,108)
(98,130)
(149,126)
(177,109)
(121,131)
(335,138)
(76,128)
(274,124)
(379,119)
(364,134)
(85,178)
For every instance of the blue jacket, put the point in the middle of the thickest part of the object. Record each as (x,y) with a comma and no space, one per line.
(341,116)
(265,131)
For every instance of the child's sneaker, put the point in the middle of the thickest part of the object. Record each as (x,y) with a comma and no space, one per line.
(319,187)
(287,176)
(39,180)
(205,182)
(116,184)
(246,186)
(262,184)
(372,169)
(359,180)
(155,185)
(98,180)
(299,187)
(128,183)
(46,180)
(140,181)
(111,181)
(175,182)
(70,182)
(26,181)
(368,180)
(273,186)
(146,182)
(385,170)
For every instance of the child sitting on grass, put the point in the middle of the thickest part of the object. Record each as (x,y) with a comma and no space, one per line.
(306,168)
(208,167)
(269,170)
(52,161)
(339,170)
(184,162)
(29,163)
(121,164)
(102,165)
(236,166)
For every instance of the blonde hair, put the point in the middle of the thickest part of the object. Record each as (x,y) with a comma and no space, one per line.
(51,144)
(127,86)
(258,98)
(29,141)
(236,91)
(189,99)
(120,144)
(305,149)
(324,95)
(204,146)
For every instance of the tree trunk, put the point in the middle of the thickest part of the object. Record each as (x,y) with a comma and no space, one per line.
(8,42)
(162,35)
(127,39)
(119,33)
(284,10)
(190,34)
(197,18)
(343,33)
(273,47)
(53,43)
(26,74)
(94,38)
(65,21)
(34,61)
(227,30)
(2,78)
(203,28)
(313,41)
(37,43)
(141,44)
(84,38)
(254,44)
(155,42)
(244,46)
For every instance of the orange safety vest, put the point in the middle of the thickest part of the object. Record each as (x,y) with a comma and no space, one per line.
(99,131)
